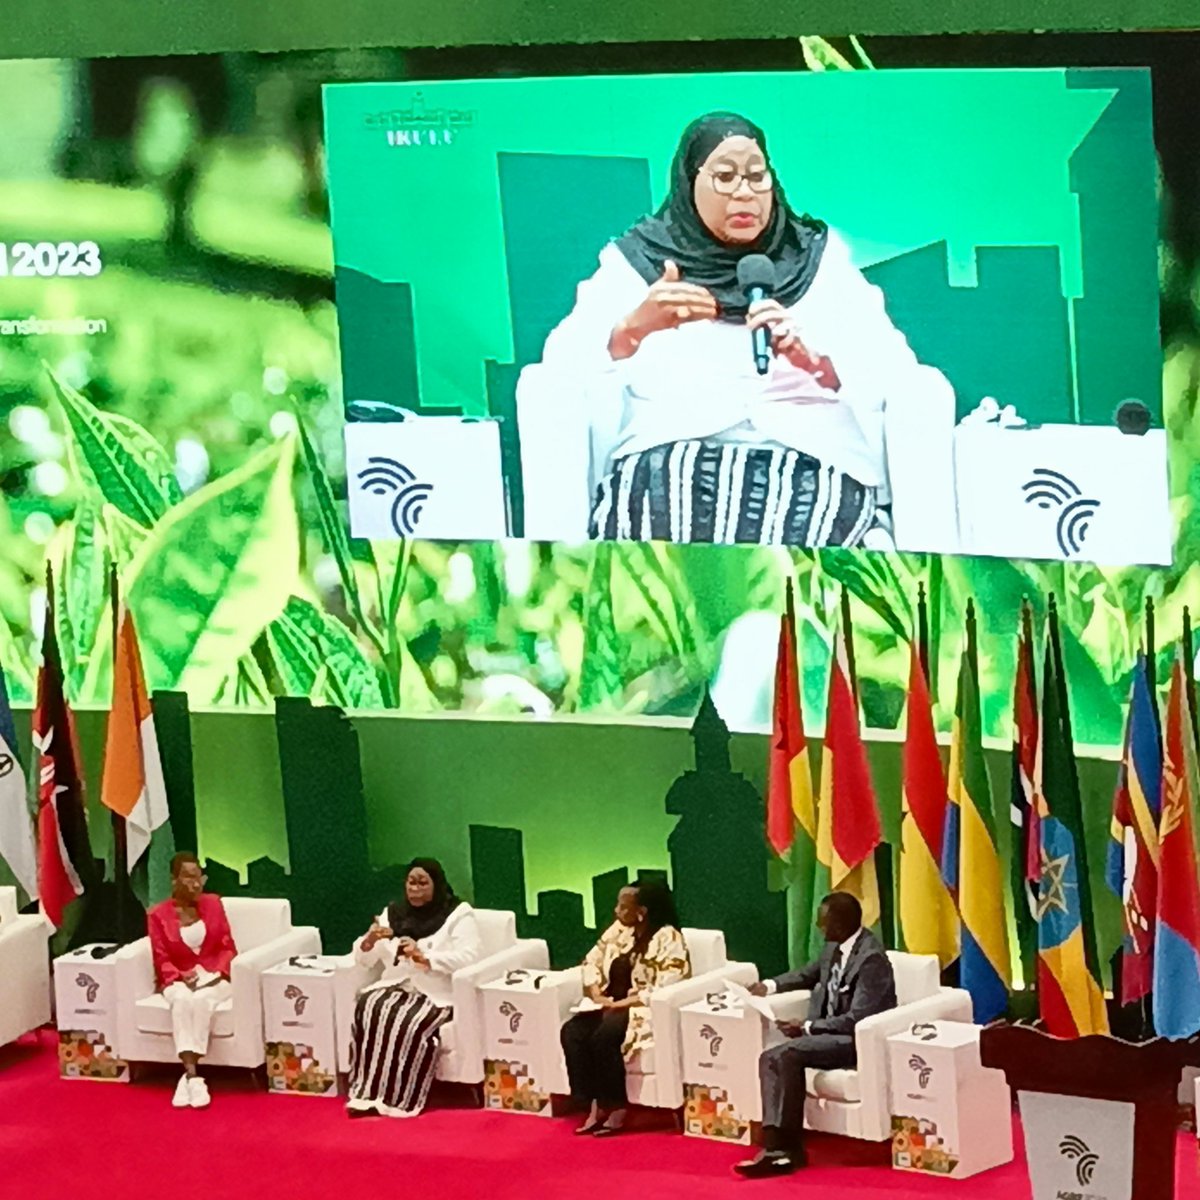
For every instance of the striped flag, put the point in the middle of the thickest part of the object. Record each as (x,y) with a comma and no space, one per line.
(1177,942)
(970,857)
(133,785)
(1132,869)
(790,800)
(1024,862)
(848,828)
(1070,999)
(64,851)
(927,916)
(17,847)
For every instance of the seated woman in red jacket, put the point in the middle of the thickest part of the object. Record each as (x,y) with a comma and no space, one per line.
(193,949)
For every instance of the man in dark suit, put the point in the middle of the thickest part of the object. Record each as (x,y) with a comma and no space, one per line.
(851,980)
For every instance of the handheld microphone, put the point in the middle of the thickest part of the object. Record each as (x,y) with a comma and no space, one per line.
(756,277)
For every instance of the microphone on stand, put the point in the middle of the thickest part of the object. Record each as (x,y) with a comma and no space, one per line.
(756,277)
(1132,417)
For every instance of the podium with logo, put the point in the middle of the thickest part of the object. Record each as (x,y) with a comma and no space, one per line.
(722,1042)
(951,1115)
(85,1004)
(1099,1114)
(522,1070)
(299,1026)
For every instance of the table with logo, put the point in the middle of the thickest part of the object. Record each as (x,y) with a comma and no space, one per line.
(85,1004)
(722,1042)
(523,1066)
(950,1115)
(299,1026)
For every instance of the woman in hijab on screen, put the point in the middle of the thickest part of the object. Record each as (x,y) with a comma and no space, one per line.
(420,942)
(715,445)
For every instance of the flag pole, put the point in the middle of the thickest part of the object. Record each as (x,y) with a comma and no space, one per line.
(1189,669)
(923,630)
(120,839)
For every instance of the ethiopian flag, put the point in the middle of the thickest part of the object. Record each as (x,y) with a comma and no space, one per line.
(970,856)
(1068,978)
(848,828)
(133,785)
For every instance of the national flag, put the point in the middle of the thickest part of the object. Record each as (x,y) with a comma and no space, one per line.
(848,828)
(790,802)
(1069,995)
(64,852)
(1132,868)
(927,916)
(1177,941)
(17,847)
(970,857)
(1024,861)
(133,785)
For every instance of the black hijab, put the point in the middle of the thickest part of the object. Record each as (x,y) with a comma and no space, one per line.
(419,921)
(792,242)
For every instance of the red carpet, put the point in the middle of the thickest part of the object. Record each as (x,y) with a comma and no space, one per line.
(121,1142)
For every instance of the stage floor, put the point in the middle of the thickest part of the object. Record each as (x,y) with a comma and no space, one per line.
(124,1142)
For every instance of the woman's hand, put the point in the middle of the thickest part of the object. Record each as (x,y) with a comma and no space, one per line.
(418,957)
(377,933)
(406,946)
(670,302)
(595,993)
(786,343)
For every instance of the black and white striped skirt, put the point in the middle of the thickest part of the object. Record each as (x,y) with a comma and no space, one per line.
(729,492)
(394,1049)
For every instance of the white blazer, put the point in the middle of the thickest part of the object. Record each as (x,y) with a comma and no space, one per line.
(455,945)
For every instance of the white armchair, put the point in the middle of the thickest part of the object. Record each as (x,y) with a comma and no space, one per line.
(461,1058)
(856,1103)
(655,1079)
(264,936)
(24,969)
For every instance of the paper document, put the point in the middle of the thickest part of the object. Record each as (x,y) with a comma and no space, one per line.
(587,1004)
(744,996)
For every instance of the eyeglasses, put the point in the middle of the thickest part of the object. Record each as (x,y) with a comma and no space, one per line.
(725,181)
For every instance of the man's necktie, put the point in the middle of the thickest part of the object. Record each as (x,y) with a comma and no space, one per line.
(835,979)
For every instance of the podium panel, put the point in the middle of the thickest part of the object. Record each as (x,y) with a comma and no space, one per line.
(85,1004)
(427,477)
(1079,493)
(1078,1147)
(299,1027)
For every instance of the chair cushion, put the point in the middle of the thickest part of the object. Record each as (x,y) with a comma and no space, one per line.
(917,976)
(254,922)
(448,1038)
(497,930)
(154,1016)
(706,949)
(835,1085)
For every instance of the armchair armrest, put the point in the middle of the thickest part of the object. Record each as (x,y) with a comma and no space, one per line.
(135,972)
(789,1006)
(250,964)
(675,995)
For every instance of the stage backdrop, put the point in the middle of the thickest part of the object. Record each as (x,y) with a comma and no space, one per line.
(186,362)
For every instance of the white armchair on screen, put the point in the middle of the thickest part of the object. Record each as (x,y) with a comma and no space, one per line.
(654,1079)
(24,969)
(569,428)
(264,936)
(461,1058)
(856,1103)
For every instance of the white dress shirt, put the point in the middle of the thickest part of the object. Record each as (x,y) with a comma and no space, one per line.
(699,381)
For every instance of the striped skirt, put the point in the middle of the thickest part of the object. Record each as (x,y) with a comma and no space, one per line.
(393,1051)
(729,492)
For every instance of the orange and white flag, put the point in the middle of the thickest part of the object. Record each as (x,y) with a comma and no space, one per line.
(133,785)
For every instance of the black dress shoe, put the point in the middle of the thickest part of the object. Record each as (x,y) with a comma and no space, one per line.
(769,1163)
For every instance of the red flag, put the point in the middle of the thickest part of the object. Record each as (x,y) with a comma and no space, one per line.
(63,847)
(789,789)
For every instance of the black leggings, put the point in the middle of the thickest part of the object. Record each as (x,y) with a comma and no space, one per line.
(592,1043)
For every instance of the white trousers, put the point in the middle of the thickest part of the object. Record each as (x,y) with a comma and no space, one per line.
(192,1014)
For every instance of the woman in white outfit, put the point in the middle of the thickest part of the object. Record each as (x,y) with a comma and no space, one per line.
(716,445)
(193,949)
(420,942)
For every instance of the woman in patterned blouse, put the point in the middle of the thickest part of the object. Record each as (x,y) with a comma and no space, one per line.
(640,951)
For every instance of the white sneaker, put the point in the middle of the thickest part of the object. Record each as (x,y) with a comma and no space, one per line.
(198,1096)
(183,1094)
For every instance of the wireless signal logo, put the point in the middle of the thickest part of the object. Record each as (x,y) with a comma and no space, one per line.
(384,476)
(713,1038)
(923,1070)
(1085,1160)
(1052,489)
